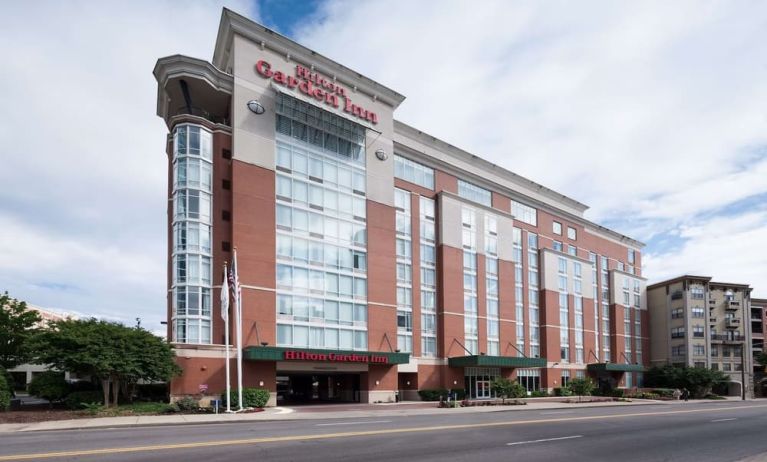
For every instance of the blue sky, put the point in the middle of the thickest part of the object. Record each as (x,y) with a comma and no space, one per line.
(652,113)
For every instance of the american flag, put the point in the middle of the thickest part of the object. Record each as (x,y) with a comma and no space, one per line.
(234,280)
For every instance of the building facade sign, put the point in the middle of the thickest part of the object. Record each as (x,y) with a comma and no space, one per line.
(314,85)
(294,355)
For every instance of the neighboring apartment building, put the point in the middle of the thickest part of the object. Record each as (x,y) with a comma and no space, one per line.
(373,257)
(759,342)
(700,323)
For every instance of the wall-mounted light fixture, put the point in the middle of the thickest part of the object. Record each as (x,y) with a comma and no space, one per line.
(256,107)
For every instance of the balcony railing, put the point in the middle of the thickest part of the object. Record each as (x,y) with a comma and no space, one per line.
(728,338)
(199,112)
(712,319)
(733,322)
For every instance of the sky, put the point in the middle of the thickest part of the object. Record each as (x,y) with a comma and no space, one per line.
(652,113)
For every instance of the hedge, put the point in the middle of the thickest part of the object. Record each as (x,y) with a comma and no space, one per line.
(5,390)
(251,397)
(433,394)
(79,399)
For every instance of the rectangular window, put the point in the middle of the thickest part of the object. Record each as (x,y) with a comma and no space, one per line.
(524,213)
(557,228)
(406,169)
(474,193)
(572,233)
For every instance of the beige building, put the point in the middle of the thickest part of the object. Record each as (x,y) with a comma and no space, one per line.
(22,374)
(699,323)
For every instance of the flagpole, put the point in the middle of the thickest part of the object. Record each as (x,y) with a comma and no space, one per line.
(225,312)
(239,330)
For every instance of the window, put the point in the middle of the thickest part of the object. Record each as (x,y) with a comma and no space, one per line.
(631,256)
(557,246)
(524,213)
(572,250)
(677,332)
(572,233)
(696,292)
(406,169)
(699,350)
(698,312)
(677,313)
(698,331)
(557,228)
(474,193)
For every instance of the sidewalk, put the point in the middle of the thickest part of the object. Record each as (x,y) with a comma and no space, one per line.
(298,413)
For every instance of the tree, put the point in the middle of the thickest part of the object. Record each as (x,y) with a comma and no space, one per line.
(505,388)
(17,325)
(581,387)
(698,380)
(761,358)
(49,385)
(115,354)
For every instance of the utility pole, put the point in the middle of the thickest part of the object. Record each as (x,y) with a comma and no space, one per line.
(743,371)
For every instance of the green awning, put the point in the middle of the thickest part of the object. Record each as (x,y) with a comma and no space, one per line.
(271,353)
(615,367)
(495,361)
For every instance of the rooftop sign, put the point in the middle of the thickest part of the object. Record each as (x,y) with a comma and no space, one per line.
(314,85)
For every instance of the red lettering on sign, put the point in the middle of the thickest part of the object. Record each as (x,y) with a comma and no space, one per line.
(264,68)
(316,86)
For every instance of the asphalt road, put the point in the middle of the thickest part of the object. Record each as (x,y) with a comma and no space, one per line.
(700,432)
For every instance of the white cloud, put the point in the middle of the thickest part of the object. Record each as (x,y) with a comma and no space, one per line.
(652,113)
(82,164)
(726,248)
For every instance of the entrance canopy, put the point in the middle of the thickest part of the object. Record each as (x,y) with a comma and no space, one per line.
(615,367)
(271,353)
(495,361)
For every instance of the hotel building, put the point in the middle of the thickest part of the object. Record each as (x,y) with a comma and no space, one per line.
(374,259)
(696,322)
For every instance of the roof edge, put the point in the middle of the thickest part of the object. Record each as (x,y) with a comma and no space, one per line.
(234,23)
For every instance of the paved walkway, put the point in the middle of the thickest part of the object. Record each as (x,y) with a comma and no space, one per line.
(329,411)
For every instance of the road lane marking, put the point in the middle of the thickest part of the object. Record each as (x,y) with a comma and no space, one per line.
(557,412)
(545,440)
(354,423)
(279,439)
(723,420)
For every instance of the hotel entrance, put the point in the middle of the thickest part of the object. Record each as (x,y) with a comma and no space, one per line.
(317,388)
(477,381)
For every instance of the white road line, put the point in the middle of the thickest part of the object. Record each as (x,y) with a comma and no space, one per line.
(353,423)
(543,441)
(557,412)
(723,420)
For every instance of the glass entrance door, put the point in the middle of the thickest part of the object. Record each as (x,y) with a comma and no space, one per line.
(483,389)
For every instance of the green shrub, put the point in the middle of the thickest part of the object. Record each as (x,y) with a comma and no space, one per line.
(663,392)
(5,390)
(712,396)
(188,403)
(538,394)
(251,397)
(458,393)
(432,394)
(83,399)
(49,385)
(563,391)
(617,393)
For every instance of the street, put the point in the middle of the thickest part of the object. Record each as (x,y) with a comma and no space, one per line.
(699,432)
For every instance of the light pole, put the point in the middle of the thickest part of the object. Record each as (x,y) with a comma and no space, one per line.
(743,371)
